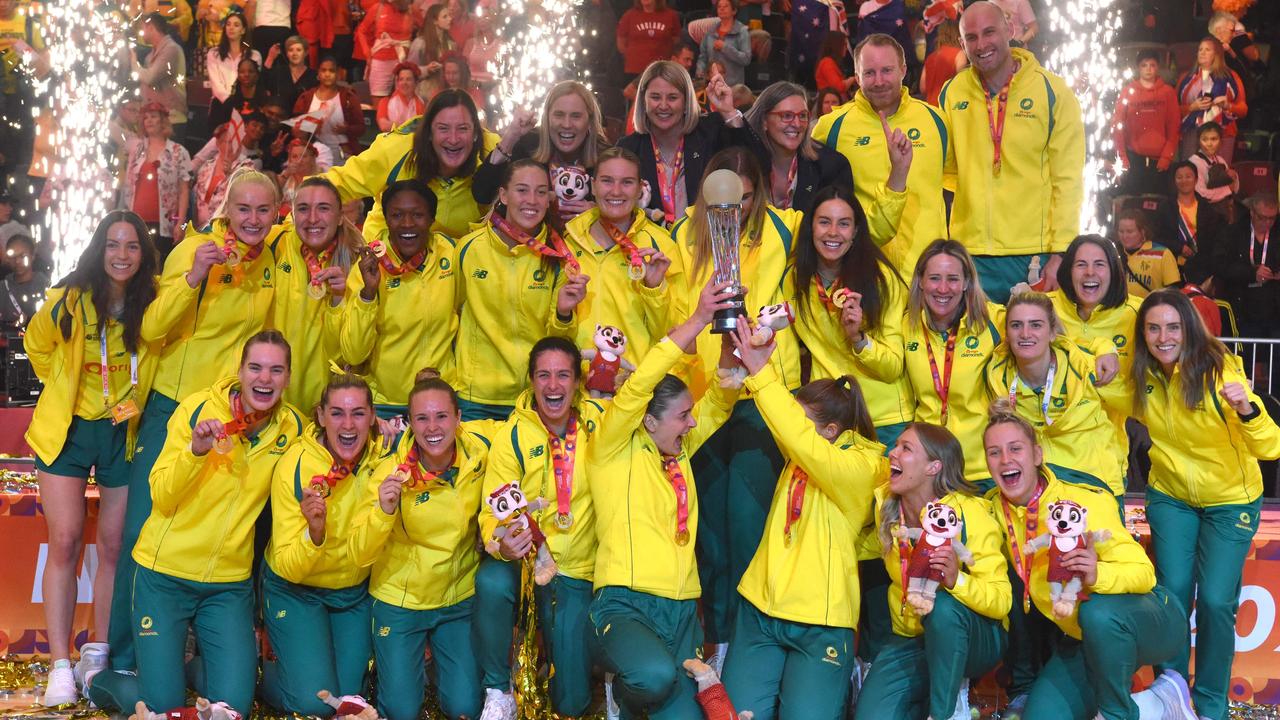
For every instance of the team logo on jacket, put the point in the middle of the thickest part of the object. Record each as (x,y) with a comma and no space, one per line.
(393,283)
(913,346)
(971,342)
(444,263)
(862,141)
(1120,341)
(539,278)
(913,134)
(1027,104)
(226,279)
(286,267)
(1059,403)
(535,451)
(480,274)
(421,498)
(962,105)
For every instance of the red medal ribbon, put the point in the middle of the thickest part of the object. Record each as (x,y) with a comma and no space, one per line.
(784,201)
(562,456)
(412,263)
(240,420)
(623,241)
(942,384)
(681,487)
(1022,565)
(795,492)
(995,121)
(555,247)
(325,483)
(667,181)
(904,557)
(315,263)
(418,476)
(229,244)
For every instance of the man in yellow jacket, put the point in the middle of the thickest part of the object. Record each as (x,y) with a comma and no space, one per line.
(1017,156)
(880,131)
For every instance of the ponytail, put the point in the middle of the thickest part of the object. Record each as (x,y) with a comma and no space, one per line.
(940,445)
(838,402)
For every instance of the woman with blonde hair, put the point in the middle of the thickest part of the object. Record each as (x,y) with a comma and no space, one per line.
(1211,92)
(157,179)
(798,166)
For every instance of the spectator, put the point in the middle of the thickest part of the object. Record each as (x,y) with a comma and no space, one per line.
(827,74)
(483,46)
(337,110)
(210,14)
(433,41)
(21,50)
(797,166)
(457,76)
(1211,92)
(1248,272)
(1190,225)
(1241,54)
(1145,127)
(300,166)
(944,62)
(8,226)
(222,63)
(646,33)
(246,96)
(177,13)
(384,37)
(156,182)
(1197,279)
(23,290)
(825,101)
(344,43)
(463,25)
(729,44)
(1022,20)
(163,75)
(404,104)
(1215,180)
(887,17)
(287,80)
(272,23)
(1150,266)
(684,54)
(315,30)
(213,167)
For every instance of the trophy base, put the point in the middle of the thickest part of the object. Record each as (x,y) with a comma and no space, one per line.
(727,321)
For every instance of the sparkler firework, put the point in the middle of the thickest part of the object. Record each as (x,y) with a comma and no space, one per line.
(541,44)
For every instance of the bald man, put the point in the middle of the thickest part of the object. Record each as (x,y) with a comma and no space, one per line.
(1017,156)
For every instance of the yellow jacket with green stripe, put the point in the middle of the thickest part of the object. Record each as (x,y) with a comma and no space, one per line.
(521,453)
(809,580)
(967,401)
(424,556)
(311,326)
(1081,436)
(291,554)
(410,325)
(766,273)
(903,223)
(643,314)
(1033,204)
(1123,565)
(1205,457)
(389,159)
(634,501)
(878,366)
(203,328)
(1116,324)
(983,587)
(203,509)
(506,301)
(64,366)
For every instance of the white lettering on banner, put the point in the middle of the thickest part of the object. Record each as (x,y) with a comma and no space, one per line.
(84,583)
(1265,622)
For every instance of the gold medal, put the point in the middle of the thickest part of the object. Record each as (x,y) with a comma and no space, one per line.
(224,444)
(682,537)
(233,257)
(322,488)
(841,297)
(316,291)
(572,271)
(564,520)
(378,248)
(635,272)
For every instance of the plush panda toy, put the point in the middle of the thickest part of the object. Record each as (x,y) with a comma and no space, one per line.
(939,530)
(509,506)
(1067,531)
(606,361)
(571,182)
(769,321)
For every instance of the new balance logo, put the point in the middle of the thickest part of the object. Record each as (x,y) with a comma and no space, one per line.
(480,274)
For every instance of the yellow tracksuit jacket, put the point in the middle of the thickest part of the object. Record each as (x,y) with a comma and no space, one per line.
(1205,457)
(425,555)
(203,509)
(389,159)
(634,501)
(204,328)
(643,314)
(904,223)
(521,453)
(1033,205)
(878,367)
(291,554)
(766,273)
(1082,436)
(70,371)
(506,301)
(1151,267)
(1123,566)
(310,326)
(983,587)
(967,400)
(409,326)
(811,581)
(1116,324)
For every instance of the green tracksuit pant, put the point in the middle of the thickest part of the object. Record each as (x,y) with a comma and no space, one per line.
(400,640)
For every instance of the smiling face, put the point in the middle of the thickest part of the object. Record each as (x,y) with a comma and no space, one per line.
(1130,235)
(1184,179)
(567,120)
(910,467)
(787,124)
(553,383)
(122,254)
(833,229)
(405,83)
(1162,332)
(453,138)
(1030,331)
(526,197)
(316,215)
(943,285)
(985,36)
(347,418)
(668,431)
(617,189)
(251,208)
(263,376)
(1012,460)
(434,419)
(880,75)
(1090,275)
(408,223)
(663,105)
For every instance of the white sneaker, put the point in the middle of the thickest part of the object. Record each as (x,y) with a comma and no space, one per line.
(498,705)
(1171,688)
(611,709)
(61,689)
(93,660)
(962,703)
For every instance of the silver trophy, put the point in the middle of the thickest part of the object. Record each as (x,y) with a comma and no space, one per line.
(722,191)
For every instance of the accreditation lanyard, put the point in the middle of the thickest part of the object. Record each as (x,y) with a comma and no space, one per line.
(325,483)
(785,200)
(635,262)
(1022,565)
(1266,242)
(562,457)
(681,487)
(1048,390)
(667,180)
(995,122)
(102,369)
(795,501)
(942,383)
(555,247)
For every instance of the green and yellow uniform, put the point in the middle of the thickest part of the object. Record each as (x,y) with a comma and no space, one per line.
(794,636)
(195,552)
(506,301)
(316,603)
(646,575)
(928,660)
(1204,498)
(409,326)
(1150,268)
(902,223)
(424,562)
(390,158)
